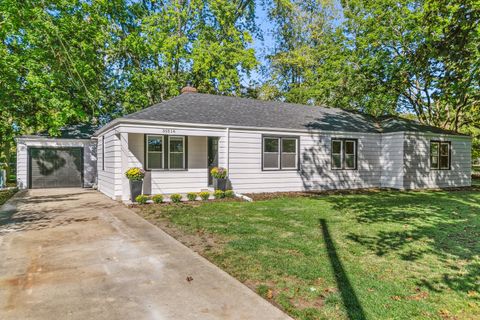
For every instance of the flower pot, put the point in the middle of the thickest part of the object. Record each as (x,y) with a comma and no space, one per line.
(220,184)
(135,189)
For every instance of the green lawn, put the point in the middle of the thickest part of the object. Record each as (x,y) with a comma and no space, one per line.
(383,255)
(6,194)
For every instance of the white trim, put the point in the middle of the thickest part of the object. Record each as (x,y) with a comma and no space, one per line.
(118,122)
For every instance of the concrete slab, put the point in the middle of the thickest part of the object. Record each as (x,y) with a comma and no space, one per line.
(75,254)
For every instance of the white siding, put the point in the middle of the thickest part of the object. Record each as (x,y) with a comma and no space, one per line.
(417,162)
(392,160)
(89,157)
(109,175)
(315,173)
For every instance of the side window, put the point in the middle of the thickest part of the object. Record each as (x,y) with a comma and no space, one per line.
(344,154)
(440,155)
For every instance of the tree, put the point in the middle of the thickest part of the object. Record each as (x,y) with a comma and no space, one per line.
(402,56)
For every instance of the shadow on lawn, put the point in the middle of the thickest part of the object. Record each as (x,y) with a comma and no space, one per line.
(350,300)
(412,224)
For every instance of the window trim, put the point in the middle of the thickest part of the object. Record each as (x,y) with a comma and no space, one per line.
(343,153)
(280,145)
(439,143)
(147,151)
(183,153)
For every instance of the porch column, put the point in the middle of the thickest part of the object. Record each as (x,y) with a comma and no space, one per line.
(124,157)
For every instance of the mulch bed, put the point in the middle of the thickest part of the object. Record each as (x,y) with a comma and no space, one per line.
(303,194)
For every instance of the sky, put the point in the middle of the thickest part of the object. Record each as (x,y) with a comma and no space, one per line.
(262,46)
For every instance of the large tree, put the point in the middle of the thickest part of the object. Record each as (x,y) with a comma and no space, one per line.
(386,56)
(68,61)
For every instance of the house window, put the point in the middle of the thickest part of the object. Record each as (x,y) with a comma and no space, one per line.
(154,152)
(280,153)
(344,154)
(440,155)
(176,158)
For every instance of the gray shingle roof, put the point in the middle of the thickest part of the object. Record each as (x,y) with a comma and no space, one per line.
(77,131)
(232,111)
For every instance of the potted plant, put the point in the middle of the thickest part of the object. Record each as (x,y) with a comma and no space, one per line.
(219,175)
(135,176)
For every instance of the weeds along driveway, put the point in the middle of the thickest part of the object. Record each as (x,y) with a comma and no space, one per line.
(74,254)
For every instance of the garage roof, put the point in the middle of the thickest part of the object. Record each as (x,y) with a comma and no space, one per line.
(78,131)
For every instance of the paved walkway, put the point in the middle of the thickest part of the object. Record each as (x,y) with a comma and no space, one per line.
(75,254)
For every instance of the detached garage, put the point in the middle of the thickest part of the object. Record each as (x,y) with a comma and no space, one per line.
(57,162)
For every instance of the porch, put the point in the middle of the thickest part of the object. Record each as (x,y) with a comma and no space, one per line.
(173,163)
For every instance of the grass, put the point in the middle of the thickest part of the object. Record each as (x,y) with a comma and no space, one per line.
(6,194)
(380,255)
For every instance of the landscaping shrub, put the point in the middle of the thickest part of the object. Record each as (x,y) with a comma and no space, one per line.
(176,198)
(219,194)
(158,198)
(191,196)
(204,195)
(141,199)
(229,194)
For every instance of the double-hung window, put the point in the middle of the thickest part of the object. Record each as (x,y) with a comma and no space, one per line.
(440,155)
(344,154)
(155,158)
(176,152)
(280,153)
(165,152)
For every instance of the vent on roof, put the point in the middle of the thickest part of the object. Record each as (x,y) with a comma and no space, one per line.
(189,89)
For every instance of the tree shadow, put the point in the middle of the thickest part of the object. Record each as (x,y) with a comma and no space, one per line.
(411,225)
(350,300)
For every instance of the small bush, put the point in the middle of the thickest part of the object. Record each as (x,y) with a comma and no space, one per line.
(204,195)
(158,198)
(176,198)
(229,194)
(219,194)
(141,199)
(191,196)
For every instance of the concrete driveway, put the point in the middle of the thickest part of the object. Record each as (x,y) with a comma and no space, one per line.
(75,254)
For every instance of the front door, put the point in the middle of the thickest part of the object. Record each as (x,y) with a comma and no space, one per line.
(212,159)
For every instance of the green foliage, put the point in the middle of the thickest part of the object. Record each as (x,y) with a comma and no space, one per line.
(379,255)
(386,57)
(176,198)
(6,194)
(135,174)
(192,196)
(158,198)
(229,194)
(204,195)
(64,62)
(219,194)
(219,172)
(141,199)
